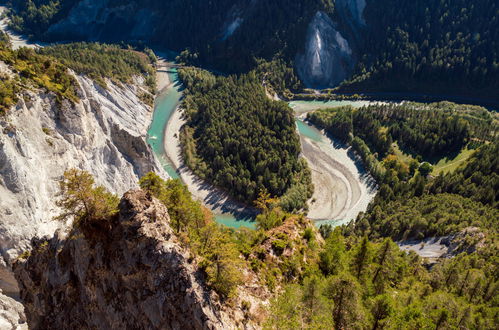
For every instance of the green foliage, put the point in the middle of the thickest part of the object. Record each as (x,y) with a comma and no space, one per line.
(478,179)
(80,200)
(332,258)
(336,121)
(421,207)
(280,243)
(187,58)
(183,210)
(394,291)
(448,46)
(99,61)
(278,77)
(4,39)
(270,219)
(35,70)
(425,169)
(429,215)
(218,254)
(422,129)
(33,17)
(402,208)
(221,263)
(308,234)
(242,141)
(8,93)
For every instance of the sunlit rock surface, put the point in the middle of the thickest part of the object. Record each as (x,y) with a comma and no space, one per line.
(327,59)
(39,139)
(132,273)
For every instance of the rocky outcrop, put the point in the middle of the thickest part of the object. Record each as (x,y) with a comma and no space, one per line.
(331,45)
(467,240)
(39,139)
(104,134)
(327,59)
(11,313)
(133,275)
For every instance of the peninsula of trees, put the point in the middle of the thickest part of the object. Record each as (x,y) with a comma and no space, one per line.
(239,139)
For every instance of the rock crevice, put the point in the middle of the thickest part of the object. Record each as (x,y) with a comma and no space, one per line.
(104,134)
(134,275)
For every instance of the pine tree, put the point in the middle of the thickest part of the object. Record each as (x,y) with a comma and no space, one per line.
(82,201)
(361,257)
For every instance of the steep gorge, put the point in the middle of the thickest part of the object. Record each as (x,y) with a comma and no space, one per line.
(40,138)
(132,274)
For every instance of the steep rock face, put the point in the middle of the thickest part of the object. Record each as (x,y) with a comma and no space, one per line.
(39,139)
(327,59)
(104,134)
(11,313)
(134,275)
(331,45)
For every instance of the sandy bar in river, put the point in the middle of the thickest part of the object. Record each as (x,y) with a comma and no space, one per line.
(214,198)
(342,188)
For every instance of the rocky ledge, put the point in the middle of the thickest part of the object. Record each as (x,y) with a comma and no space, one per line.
(129,272)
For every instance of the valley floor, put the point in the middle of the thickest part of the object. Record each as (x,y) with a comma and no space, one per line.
(216,199)
(342,189)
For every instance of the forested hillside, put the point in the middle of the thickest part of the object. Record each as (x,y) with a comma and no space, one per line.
(240,140)
(421,132)
(333,281)
(448,46)
(434,47)
(99,61)
(365,281)
(397,142)
(32,70)
(370,285)
(47,68)
(199,25)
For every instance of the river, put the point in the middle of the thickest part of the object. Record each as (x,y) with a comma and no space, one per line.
(342,188)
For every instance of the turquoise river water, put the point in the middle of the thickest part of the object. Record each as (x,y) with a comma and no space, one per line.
(165,105)
(169,99)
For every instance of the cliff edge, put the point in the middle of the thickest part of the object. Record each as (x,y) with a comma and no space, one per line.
(127,272)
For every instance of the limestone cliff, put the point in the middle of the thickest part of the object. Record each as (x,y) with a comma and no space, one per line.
(39,139)
(327,59)
(104,134)
(331,44)
(132,275)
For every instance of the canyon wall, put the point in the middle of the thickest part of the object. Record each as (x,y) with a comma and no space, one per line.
(134,274)
(40,138)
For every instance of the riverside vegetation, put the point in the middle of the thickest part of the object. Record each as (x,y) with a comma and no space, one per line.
(239,139)
(410,203)
(342,280)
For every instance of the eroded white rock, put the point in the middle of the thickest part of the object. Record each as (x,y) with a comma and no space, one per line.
(105,134)
(327,59)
